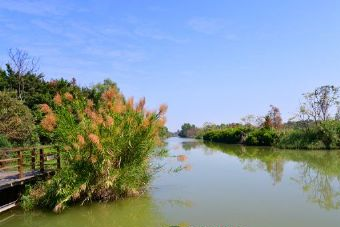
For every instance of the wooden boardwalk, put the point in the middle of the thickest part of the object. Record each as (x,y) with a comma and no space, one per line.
(11,179)
(21,165)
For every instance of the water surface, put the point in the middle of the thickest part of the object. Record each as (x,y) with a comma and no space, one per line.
(219,185)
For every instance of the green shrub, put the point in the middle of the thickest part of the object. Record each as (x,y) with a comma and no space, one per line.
(243,135)
(228,135)
(325,135)
(4,142)
(300,139)
(16,121)
(261,137)
(329,133)
(107,148)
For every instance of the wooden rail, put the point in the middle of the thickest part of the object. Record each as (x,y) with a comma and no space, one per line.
(20,157)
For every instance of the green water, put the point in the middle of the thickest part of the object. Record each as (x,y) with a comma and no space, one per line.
(220,185)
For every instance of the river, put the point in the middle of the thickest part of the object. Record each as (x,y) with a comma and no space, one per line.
(216,185)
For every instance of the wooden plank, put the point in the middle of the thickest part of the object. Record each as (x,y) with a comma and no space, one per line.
(9,167)
(33,154)
(13,180)
(16,149)
(20,164)
(42,159)
(9,159)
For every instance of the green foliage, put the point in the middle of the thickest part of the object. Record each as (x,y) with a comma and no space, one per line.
(188,131)
(325,135)
(322,136)
(16,121)
(107,148)
(329,132)
(227,135)
(261,137)
(94,93)
(243,135)
(164,132)
(4,142)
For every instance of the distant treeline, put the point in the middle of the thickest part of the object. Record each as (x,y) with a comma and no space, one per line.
(315,126)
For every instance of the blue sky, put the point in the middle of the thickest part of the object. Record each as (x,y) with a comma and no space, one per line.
(210,61)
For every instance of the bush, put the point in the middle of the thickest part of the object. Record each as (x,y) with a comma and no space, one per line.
(16,121)
(328,133)
(261,137)
(243,135)
(4,142)
(300,139)
(228,135)
(325,135)
(107,149)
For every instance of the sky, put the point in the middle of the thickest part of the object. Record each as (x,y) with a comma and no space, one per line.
(209,61)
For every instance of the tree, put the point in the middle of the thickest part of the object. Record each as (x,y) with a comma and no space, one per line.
(16,121)
(249,120)
(275,116)
(188,130)
(268,123)
(318,103)
(337,115)
(21,64)
(96,91)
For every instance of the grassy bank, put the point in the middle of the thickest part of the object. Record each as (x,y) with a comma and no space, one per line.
(323,135)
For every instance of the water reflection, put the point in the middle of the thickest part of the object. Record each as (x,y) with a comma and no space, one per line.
(318,171)
(219,190)
(191,144)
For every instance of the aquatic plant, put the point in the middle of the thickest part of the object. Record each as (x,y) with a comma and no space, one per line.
(106,149)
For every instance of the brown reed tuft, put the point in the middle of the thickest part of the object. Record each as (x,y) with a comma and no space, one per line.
(49,122)
(45,108)
(162,109)
(118,107)
(58,100)
(161,121)
(108,122)
(94,139)
(89,103)
(110,94)
(68,96)
(81,140)
(130,103)
(140,105)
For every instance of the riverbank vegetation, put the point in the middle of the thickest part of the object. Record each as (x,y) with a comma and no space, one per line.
(106,140)
(315,126)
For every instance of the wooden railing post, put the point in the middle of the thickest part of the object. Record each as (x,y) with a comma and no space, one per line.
(58,158)
(33,154)
(20,164)
(42,161)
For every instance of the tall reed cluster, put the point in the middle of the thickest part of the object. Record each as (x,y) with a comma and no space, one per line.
(107,146)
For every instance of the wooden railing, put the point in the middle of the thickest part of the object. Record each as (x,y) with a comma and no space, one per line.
(23,159)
